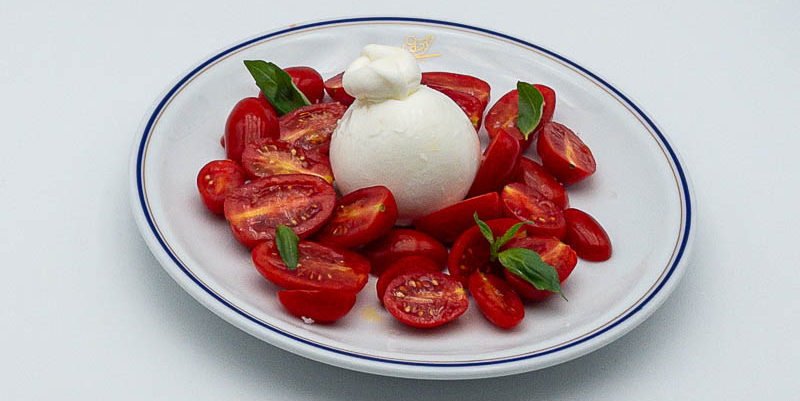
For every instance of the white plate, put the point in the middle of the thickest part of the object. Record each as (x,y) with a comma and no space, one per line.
(640,193)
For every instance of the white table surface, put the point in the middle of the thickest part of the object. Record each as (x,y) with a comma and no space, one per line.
(86,312)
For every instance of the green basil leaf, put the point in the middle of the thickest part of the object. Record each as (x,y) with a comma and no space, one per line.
(485,230)
(277,86)
(529,266)
(531,104)
(510,234)
(287,242)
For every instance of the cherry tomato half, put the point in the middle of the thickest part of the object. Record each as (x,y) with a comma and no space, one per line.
(461,83)
(535,176)
(300,201)
(470,252)
(448,223)
(250,120)
(320,267)
(499,164)
(503,115)
(322,306)
(496,300)
(335,90)
(310,127)
(360,217)
(525,203)
(553,252)
(308,81)
(586,236)
(564,154)
(471,106)
(425,299)
(400,243)
(269,157)
(216,180)
(405,265)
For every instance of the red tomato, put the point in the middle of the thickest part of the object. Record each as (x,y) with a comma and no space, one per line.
(310,127)
(405,265)
(320,267)
(400,243)
(503,115)
(308,81)
(471,106)
(360,217)
(525,203)
(250,120)
(300,201)
(269,157)
(448,223)
(500,161)
(216,180)
(496,300)
(533,175)
(564,154)
(334,88)
(322,306)
(470,252)
(553,252)
(586,236)
(425,299)
(461,83)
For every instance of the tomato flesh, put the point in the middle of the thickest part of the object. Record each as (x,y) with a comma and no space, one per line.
(503,115)
(360,217)
(586,236)
(400,243)
(335,90)
(310,127)
(526,204)
(216,180)
(470,85)
(448,223)
(321,306)
(470,252)
(564,155)
(269,157)
(405,265)
(496,300)
(533,175)
(300,201)
(499,165)
(471,106)
(425,299)
(553,252)
(250,120)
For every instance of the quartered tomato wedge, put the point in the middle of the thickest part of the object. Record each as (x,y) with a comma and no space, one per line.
(461,83)
(310,127)
(533,175)
(360,217)
(252,119)
(400,243)
(405,265)
(586,236)
(499,164)
(321,306)
(269,157)
(335,90)
(496,300)
(470,252)
(300,201)
(553,252)
(471,106)
(448,223)
(320,267)
(525,203)
(216,180)
(564,154)
(503,115)
(425,299)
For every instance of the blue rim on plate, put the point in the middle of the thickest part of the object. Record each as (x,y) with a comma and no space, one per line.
(672,155)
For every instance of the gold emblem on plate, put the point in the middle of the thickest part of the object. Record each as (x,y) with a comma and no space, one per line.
(419,47)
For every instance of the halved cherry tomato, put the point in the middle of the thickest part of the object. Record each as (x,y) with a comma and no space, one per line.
(360,217)
(461,83)
(400,243)
(448,223)
(564,154)
(334,88)
(503,115)
(471,106)
(321,306)
(586,236)
(308,81)
(310,127)
(270,157)
(405,265)
(250,120)
(525,203)
(553,252)
(496,300)
(300,201)
(320,267)
(216,180)
(499,164)
(425,299)
(470,252)
(535,176)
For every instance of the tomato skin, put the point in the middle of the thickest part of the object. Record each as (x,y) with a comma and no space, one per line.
(526,204)
(250,120)
(553,252)
(586,236)
(470,85)
(533,175)
(564,155)
(315,270)
(445,299)
(308,81)
(360,217)
(335,90)
(311,127)
(400,243)
(405,265)
(503,115)
(470,252)
(448,223)
(216,180)
(300,201)
(499,165)
(496,299)
(471,106)
(320,305)
(268,157)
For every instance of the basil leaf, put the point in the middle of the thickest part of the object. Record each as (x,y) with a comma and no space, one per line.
(529,266)
(287,241)
(510,234)
(531,104)
(485,230)
(277,86)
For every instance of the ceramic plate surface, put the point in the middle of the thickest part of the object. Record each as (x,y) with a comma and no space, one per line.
(640,193)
